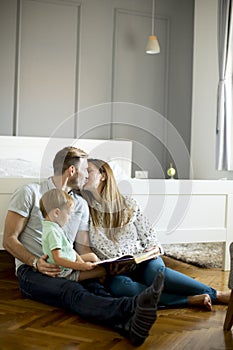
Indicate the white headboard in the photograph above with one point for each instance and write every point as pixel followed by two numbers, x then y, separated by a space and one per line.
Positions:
pixel 41 150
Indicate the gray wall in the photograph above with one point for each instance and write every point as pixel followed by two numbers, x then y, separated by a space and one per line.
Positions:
pixel 64 62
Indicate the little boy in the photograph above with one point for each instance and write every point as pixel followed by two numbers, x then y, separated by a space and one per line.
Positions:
pixel 56 207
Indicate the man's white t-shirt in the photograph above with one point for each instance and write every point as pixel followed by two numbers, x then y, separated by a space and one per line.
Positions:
pixel 25 201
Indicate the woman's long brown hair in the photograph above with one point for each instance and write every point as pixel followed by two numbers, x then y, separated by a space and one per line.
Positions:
pixel 113 209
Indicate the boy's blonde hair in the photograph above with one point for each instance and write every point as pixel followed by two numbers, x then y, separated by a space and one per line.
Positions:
pixel 53 199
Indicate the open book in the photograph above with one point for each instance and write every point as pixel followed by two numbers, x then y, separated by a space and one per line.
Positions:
pixel 133 259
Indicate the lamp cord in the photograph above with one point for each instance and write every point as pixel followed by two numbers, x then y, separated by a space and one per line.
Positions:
pixel 153 17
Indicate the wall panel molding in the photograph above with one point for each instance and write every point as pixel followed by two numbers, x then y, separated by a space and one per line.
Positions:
pixel 47 68
pixel 140 79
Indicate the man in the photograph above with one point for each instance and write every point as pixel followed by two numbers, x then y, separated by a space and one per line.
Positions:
pixel 132 317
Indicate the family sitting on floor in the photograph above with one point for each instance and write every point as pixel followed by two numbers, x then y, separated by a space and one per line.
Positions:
pixel 60 228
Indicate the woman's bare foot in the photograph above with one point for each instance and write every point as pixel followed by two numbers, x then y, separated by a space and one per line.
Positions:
pixel 202 300
pixel 223 297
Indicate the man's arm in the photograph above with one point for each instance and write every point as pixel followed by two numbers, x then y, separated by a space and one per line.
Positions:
pixel 82 243
pixel 14 225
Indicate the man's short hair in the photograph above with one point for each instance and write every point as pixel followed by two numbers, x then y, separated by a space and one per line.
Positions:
pixel 66 157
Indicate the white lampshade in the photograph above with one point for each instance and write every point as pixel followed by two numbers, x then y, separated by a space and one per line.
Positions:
pixel 152 46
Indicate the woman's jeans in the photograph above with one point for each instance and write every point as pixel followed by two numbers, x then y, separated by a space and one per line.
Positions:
pixel 72 296
pixel 177 286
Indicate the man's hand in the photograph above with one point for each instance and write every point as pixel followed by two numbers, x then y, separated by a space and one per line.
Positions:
pixel 118 268
pixel 46 268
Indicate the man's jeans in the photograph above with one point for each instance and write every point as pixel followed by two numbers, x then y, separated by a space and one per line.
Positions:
pixel 72 296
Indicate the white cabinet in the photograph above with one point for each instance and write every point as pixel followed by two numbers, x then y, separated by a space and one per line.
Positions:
pixel 187 211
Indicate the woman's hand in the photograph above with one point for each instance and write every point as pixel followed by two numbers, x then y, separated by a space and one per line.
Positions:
pixel 156 251
pixel 46 268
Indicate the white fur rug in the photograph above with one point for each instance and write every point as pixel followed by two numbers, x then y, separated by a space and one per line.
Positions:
pixel 207 255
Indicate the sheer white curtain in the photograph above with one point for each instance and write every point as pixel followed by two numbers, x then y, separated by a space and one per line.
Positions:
pixel 224 129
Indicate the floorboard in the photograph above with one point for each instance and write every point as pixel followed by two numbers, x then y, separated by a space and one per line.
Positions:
pixel 29 325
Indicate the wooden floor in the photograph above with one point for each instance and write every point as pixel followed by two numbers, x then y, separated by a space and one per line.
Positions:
pixel 29 325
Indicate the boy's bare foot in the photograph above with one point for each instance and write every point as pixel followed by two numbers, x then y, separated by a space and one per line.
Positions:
pixel 223 297
pixel 201 300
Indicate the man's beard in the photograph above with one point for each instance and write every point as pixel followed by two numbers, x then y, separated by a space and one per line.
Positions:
pixel 74 183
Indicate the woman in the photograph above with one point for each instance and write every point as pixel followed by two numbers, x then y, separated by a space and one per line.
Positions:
pixel 118 227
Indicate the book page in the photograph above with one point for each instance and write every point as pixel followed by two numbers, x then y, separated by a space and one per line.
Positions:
pixel 123 258
pixel 132 259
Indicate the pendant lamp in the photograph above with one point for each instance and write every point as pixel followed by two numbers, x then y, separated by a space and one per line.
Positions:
pixel 152 46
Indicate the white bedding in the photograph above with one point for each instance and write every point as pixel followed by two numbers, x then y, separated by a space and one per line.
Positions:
pixel 33 156
pixel 24 168
pixel 21 168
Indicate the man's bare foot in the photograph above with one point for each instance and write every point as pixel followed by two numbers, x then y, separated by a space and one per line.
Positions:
pixel 223 297
pixel 202 300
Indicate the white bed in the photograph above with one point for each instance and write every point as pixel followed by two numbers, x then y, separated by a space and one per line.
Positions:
pixel 183 211
pixel 29 159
